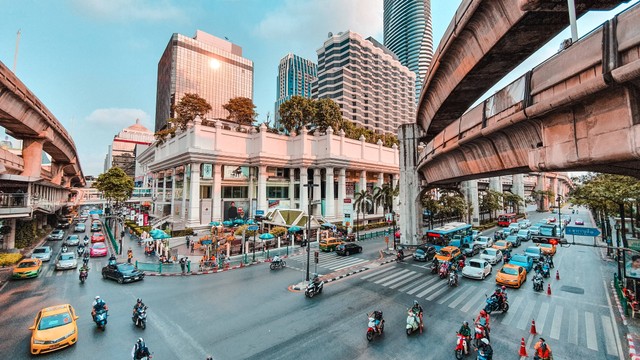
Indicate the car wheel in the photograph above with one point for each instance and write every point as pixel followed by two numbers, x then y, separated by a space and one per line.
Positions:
pixel 483 276
pixel 120 280
pixel 360 250
pixel 104 276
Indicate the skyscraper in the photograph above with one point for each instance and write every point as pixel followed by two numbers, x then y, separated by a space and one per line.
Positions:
pixel 408 33
pixel 295 76
pixel 367 81
pixel 205 65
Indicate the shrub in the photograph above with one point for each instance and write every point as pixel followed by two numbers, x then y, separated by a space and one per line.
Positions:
pixel 278 231
pixel 25 233
pixel 9 259
pixel 240 228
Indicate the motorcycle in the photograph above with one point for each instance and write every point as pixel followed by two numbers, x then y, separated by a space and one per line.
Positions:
pixel 83 276
pixel 443 271
pixel 545 271
pixel 150 252
pixel 413 322
pixel 481 355
pixel 538 283
pixel 101 319
pixel 65 248
pixel 371 328
pixel 479 334
pixel 278 264
pixel 461 346
pixel 493 305
pixel 313 289
pixel 86 241
pixel 140 318
pixel 453 279
pixel 80 251
pixel 434 268
pixel 549 261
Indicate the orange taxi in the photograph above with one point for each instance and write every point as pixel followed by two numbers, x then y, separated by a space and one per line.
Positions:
pixel 448 253
pixel 27 268
pixel 547 249
pixel 511 275
pixel 54 328
pixel 502 245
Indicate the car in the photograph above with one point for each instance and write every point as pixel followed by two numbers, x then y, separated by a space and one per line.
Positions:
pixel 513 228
pixel 547 249
pixel 62 224
pixel 579 222
pixel 524 235
pixel 97 237
pixel 511 275
pixel 514 240
pixel 533 252
pixel 80 227
pixel 476 269
pixel 475 234
pixel 534 230
pixel 27 268
pixel 67 260
pixel 98 249
pixel 72 240
pixel 526 222
pixel 348 249
pixel 424 253
pixel 95 227
pixel 54 328
pixel 484 241
pixel 329 244
pixel 492 255
pixel 448 253
pixel 501 245
pixel 56 235
pixel 522 260
pixel 522 224
pixel 42 252
pixel 470 249
pixel 122 273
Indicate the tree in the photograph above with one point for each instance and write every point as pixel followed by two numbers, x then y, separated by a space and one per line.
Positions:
pixel 491 202
pixel 543 195
pixel 327 113
pixel 453 203
pixel 363 203
pixel 512 200
pixel 241 110
pixel 431 204
pixel 188 108
pixel 115 185
pixel 296 113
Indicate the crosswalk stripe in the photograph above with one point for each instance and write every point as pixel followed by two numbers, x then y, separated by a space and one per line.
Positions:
pixel 391 276
pixel 452 294
pixel 460 298
pixel 526 316
pixel 437 293
pixel 58 273
pixel 434 287
pixel 426 283
pixel 49 272
pixel 513 310
pixel 376 273
pixel 557 321
pixel 542 315
pixel 408 273
pixel 473 301
pixel 590 330
pixel 411 278
pixel 609 340
pixel 383 275
pixel 573 326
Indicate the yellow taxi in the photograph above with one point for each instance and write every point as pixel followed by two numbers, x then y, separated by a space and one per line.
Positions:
pixel 448 253
pixel 547 249
pixel 329 244
pixel 27 268
pixel 53 329
pixel 502 245
pixel 511 275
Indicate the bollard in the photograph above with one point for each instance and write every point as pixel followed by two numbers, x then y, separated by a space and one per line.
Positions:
pixel 188 266
pixel 557 275
pixel 160 268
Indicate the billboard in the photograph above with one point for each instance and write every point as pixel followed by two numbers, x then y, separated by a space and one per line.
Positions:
pixel 632 264
pixel 230 172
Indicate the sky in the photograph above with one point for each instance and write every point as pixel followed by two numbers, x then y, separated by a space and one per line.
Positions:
pixel 93 63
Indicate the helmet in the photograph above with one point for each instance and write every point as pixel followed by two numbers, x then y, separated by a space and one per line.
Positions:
pixel 415 302
pixel 483 313
pixel 140 340
pixel 139 301
pixel 465 323
pixel 498 290
pixel 97 297
pixel 504 288
pixel 485 341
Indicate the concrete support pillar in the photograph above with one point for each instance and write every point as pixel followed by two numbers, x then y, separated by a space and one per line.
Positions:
pixel 164 186
pixel 342 191
pixel 292 188
pixel 470 191
pixel 194 196
pixel 216 207
pixel 173 192
pixel 555 188
pixel 304 197
pixel 330 202
pixel 56 172
pixel 251 193
pixel 262 188
pixel 541 186
pixel 363 181
pixel 517 188
pixel 184 191
pixel 32 156
pixel 410 185
pixel 10 238
pixel 317 192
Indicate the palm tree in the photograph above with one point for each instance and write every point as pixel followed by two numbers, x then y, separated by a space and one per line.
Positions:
pixel 512 200
pixel 363 203
pixel 384 196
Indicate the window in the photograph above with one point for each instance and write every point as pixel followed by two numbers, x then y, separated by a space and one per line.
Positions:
pixel 235 192
pixel 277 192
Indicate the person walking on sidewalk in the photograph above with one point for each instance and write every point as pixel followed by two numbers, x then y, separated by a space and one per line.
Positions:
pixel 192 245
pixel 188 240
pixel 129 255
pixel 183 264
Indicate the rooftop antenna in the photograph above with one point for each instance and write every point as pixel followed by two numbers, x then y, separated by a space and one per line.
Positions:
pixel 15 55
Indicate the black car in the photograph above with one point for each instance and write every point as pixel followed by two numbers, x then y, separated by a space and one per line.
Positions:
pixel 122 273
pixel 470 249
pixel 424 253
pixel 62 224
pixel 348 249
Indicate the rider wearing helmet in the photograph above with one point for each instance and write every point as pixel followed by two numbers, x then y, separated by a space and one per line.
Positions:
pixel 499 297
pixel 466 332
pixel 417 309
pixel 139 305
pixel 485 349
pixel 140 350
pixel 543 351
pixel 483 319
pixel 98 305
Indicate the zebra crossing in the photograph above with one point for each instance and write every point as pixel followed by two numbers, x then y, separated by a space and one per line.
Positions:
pixel 560 320
pixel 50 271
pixel 326 260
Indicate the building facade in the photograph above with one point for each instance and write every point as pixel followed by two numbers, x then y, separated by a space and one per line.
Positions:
pixel 372 88
pixel 295 77
pixel 205 65
pixel 408 33
pixel 121 152
pixel 198 174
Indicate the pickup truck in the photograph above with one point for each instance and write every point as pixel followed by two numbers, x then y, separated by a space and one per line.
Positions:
pixel 548 232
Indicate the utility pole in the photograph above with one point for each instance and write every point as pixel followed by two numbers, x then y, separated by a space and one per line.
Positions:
pixel 15 55
pixel 571 5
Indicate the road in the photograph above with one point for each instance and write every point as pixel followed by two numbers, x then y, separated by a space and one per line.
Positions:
pixel 250 314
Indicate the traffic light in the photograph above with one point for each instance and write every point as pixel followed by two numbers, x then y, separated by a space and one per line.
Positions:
pixel 316 256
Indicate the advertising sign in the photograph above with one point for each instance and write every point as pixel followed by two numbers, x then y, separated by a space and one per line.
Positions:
pixel 207 171
pixel 347 210
pixel 235 172
pixel 632 264
pixel 274 203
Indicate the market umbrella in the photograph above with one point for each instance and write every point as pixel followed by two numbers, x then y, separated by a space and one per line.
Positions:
pixel 238 221
pixel 294 229
pixel 251 222
pixel 266 236
pixel 327 225
pixel 154 231
pixel 160 235
pixel 214 223
pixel 227 223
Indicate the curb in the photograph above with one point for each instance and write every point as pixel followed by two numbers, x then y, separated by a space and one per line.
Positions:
pixel 632 349
pixel 298 287
pixel 615 295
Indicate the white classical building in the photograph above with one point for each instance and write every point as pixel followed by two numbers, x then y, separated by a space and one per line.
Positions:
pixel 200 172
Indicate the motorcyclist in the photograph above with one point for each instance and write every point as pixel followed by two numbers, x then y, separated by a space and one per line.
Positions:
pixel 139 306
pixel 400 255
pixel 140 350
pixel 485 349
pixel 377 320
pixel 417 309
pixel 316 280
pixel 112 260
pixel 543 351
pixel 466 332
pixel 276 259
pixel 483 319
pixel 435 263
pixel 85 258
pixel 84 268
pixel 444 267
pixel 64 248
pixel 98 305
pixel 499 297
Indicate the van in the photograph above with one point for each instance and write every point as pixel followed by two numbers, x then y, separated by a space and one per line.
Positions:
pixel 329 244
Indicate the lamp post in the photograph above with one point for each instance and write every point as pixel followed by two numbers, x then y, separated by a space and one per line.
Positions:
pixel 559 218
pixel 617 227
pixel 309 187
pixel 153 203
pixel 254 245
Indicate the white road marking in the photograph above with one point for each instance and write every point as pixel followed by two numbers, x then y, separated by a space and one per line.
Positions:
pixel 542 316
pixel 513 310
pixel 573 326
pixel 609 340
pixel 557 322
pixel 477 297
pixel 408 273
pixel 460 298
pixel 437 293
pixel 452 294
pixel 390 276
pixel 411 278
pixel 615 326
pixel 376 273
pixel 526 316
pixel 590 330
pixel 426 283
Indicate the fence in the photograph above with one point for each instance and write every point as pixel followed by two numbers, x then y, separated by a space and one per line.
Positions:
pixel 621 295
pixel 111 237
pixel 162 267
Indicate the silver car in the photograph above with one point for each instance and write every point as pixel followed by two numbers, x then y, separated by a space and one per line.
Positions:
pixel 56 235
pixel 72 240
pixel 43 253
pixel 66 261
pixel 493 256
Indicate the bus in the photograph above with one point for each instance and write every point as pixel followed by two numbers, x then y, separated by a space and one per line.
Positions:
pixel 450 234
pixel 505 219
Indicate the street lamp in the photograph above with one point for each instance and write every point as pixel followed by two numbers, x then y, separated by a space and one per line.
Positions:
pixel 617 227
pixel 559 218
pixel 309 187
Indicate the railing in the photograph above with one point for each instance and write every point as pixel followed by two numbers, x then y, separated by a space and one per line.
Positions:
pixel 111 238
pixel 162 268
pixel 13 200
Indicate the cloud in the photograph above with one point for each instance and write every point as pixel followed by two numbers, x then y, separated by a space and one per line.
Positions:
pixel 298 21
pixel 127 10
pixel 116 118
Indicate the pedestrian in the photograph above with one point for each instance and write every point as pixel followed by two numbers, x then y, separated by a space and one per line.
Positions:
pixel 121 234
pixel 188 239
pixel 129 255
pixel 183 264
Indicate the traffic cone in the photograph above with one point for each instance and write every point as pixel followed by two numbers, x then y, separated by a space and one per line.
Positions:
pixel 523 349
pixel 548 289
pixel 557 275
pixel 533 330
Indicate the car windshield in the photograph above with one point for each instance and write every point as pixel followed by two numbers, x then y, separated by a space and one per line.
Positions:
pixel 474 264
pixel 73 237
pixel 490 251
pixel 126 267
pixel 500 243
pixel 523 232
pixel 419 251
pixel 99 246
pixel 509 271
pixel 66 256
pixel 49 322
pixel 512 238
pixel 519 258
pixel 445 253
pixel 546 246
pixel 40 251
pixel 27 264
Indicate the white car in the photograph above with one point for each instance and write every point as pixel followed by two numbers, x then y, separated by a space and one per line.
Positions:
pixel 476 269
pixel 42 252
pixel 484 241
pixel 513 228
pixel 534 230
pixel 493 256
pixel 67 260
